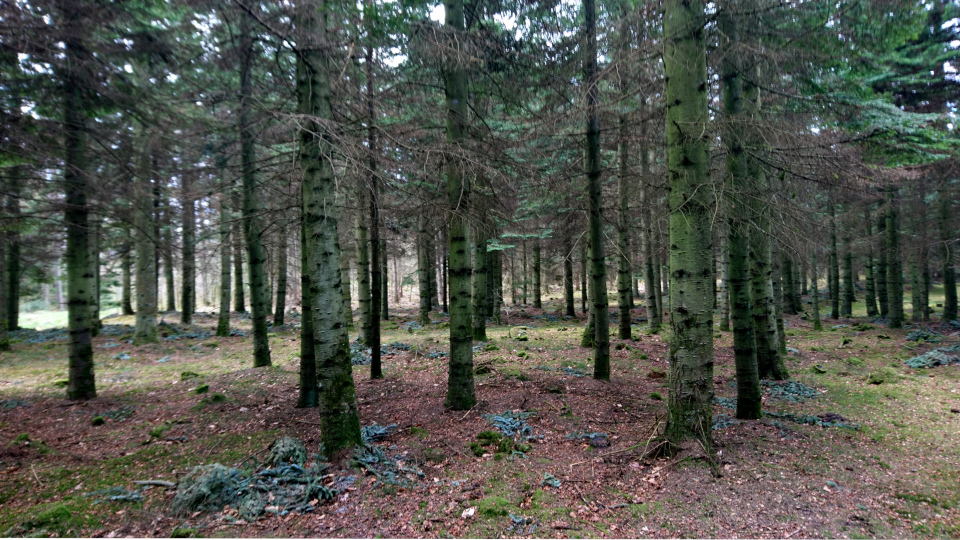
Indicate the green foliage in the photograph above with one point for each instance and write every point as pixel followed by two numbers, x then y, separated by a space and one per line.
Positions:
pixel 97 421
pixel 883 375
pixel 938 357
pixel 495 507
pixel 287 451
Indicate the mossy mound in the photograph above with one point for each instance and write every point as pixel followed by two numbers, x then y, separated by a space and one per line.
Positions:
pixel 884 375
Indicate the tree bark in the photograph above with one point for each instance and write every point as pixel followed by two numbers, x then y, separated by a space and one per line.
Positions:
pixel 881 278
pixel 423 274
pixel 94 261
pixel 337 403
pixel 146 325
pixel 361 229
pixel 239 302
pixel 568 277
pixel 480 286
pixel 537 272
pixel 690 382
pixel 12 301
pixel 252 227
pixel 460 387
pixel 346 299
pixel 584 299
pixel 735 262
pixel 385 290
pixel 871 285
pixel 223 320
pixel 894 262
pixel 188 254
pixel 834 266
pixel 126 272
pixel 849 296
pixel 308 395
pixel 281 305
pixel 947 241
pixel 817 325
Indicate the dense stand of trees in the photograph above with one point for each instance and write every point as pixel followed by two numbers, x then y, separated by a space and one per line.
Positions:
pixel 723 155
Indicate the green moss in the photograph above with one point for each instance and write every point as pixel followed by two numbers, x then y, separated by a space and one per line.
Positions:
pixel 187 375
pixel 21 438
pixel 202 389
pixel 643 356
pixel 496 507
pixel 477 449
pixel 158 431
pixel 212 344
pixel 62 383
pixel 217 398
pixel 505 446
pixel 656 396
pixel 418 431
pixel 97 421
pixel 488 438
pixel 183 532
pixel 883 375
pixel 854 361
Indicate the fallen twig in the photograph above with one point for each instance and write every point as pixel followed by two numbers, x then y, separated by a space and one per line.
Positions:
pixel 34 471
pixel 470 411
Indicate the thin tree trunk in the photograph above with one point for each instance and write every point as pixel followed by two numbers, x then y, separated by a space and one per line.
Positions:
pixel 817 325
pixel 925 284
pixel 361 228
pixel 598 269
pixel 252 228
pixel 166 253
pixel 223 320
pixel 894 262
pixel 339 416
pixel 126 271
pixel 308 395
pixel 12 301
pixel 584 299
pixel 480 271
pixel 849 296
pixel 690 382
pixel 384 282
pixel 281 306
pixel 537 300
pixel 624 279
pixel 93 240
pixel 779 369
pixel 423 274
pixel 568 277
pixel 725 283
pixel 589 330
pixel 346 299
pixel 834 266
pixel 947 256
pixel 871 285
pixel 239 303
pixel 789 303
pixel 735 262
pixel 147 294
pixel 460 387
pixel 526 275
pixel 881 278
pixel 188 253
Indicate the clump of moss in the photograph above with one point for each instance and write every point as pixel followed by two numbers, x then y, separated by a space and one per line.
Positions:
pixel 883 375
pixel 495 507
pixel 418 431
pixel 656 396
pixel 159 431
pixel 187 375
pixel 97 421
pixel 183 532
pixel 202 389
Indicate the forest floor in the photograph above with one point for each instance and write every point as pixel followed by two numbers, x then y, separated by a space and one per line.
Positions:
pixel 894 474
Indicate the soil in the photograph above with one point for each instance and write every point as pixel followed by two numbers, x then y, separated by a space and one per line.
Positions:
pixel 895 476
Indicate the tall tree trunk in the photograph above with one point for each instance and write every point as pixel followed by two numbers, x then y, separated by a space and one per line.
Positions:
pixel 871 285
pixel 147 293
pixel 460 388
pixel 916 301
pixel 690 383
pixel 881 279
pixel 281 306
pixel 598 269
pixel 166 254
pixel 849 296
pixel 239 302
pixel 252 227
pixel 480 277
pixel 584 298
pixel 590 329
pixel 568 277
pixel 651 282
pixel 537 273
pixel 93 241
pixel 308 395
pixel 526 275
pixel 377 255
pixel 4 324
pixel 126 271
pixel 725 283
pixel 339 416
pixel 925 284
pixel 894 262
pixel 188 253
pixel 223 320
pixel 363 262
pixel 385 290
pixel 779 369
pixel 12 301
pixel 624 278
pixel 834 266
pixel 789 304
pixel 735 252
pixel 423 274
pixel 817 325
pixel 346 299
pixel 947 241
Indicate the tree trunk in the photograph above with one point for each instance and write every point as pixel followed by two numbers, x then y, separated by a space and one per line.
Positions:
pixel 4 276
pixel 147 294
pixel 881 278
pixel 252 228
pixel 871 285
pixel 384 282
pixel 93 240
pixel 308 395
pixel 947 256
pixel 166 253
pixel 589 330
pixel 223 320
pixel 894 262
pixel 735 262
pixel 126 271
pixel 526 275
pixel 624 277
pixel 834 267
pixel 916 302
pixel 537 272
pixel 690 383
pixel 460 388
pixel 924 284
pixel 12 301
pixel 423 274
pixel 339 416
pixel 725 283
pixel 363 262
pixel 651 282
pixel 849 296
pixel 281 307
pixel 480 271
pixel 239 303
pixel 346 299
pixel 817 325
pixel 568 277
pixel 188 253
pixel 779 369
pixel 584 299
pixel 789 303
